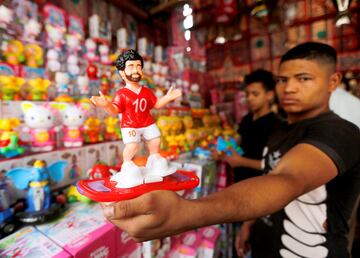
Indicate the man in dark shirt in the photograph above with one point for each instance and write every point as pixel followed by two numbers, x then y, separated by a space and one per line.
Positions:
pixel 256 126
pixel 312 180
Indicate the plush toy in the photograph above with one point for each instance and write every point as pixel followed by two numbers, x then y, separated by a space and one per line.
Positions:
pixel 55 37
pixel 38 89
pixel 91 51
pixel 32 29
pixel 14 53
pixel 52 61
pixel 33 55
pixel 104 54
pixel 10 87
pixel 73 65
pixel 40 123
pixel 73 117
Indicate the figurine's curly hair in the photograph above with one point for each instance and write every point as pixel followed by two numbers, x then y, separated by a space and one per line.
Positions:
pixel 128 55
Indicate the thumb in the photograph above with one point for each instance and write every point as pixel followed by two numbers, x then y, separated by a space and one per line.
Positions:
pixel 170 90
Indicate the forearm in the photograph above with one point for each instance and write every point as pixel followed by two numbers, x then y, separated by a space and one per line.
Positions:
pixel 161 102
pixel 111 109
pixel 246 200
pixel 250 163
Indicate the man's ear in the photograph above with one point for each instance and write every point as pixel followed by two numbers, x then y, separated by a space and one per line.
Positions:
pixel 335 80
pixel 271 96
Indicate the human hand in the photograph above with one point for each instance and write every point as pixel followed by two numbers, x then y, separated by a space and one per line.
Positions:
pixel 153 215
pixel 234 160
pixel 100 101
pixel 173 94
pixel 242 240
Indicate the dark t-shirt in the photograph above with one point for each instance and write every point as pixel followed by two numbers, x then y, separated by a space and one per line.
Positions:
pixel 254 135
pixel 314 224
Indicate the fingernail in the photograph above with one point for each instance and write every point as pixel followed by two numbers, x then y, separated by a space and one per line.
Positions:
pixel 108 211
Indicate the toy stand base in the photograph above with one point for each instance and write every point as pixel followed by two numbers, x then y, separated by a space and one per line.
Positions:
pixel 104 190
pixel 40 216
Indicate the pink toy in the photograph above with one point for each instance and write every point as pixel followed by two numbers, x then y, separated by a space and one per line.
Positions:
pixel 72 44
pixel 32 29
pixel 52 61
pixel 40 123
pixel 73 117
pixel 83 85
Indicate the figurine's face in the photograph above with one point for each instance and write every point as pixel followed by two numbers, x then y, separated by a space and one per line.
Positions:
pixel 39 117
pixel 73 116
pixel 132 72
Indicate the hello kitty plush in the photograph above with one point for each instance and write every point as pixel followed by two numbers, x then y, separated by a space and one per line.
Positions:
pixel 40 123
pixel 52 61
pixel 104 55
pixel 73 117
pixel 73 65
pixel 91 51
pixel 55 37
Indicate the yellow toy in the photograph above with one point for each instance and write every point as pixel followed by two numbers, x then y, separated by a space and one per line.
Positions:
pixel 7 126
pixel 14 53
pixel 92 130
pixel 33 55
pixel 38 89
pixel 9 138
pixel 112 129
pixel 10 87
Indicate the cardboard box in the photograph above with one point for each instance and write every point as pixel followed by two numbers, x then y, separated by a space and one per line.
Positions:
pixel 125 246
pixel 190 245
pixel 83 232
pixel 210 243
pixel 30 243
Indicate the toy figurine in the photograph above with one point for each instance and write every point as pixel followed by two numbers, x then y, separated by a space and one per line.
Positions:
pixel 83 86
pixel 224 145
pixel 32 29
pixel 10 87
pixel 10 146
pixel 38 89
pixel 73 117
pixel 55 37
pixel 112 130
pixel 52 61
pixel 33 55
pixel 40 122
pixel 92 71
pixel 14 53
pixel 37 181
pixel 135 103
pixel 104 55
pixel 91 51
pixel 62 83
pixel 92 130
pixel 6 16
pixel 73 65
pixel 73 44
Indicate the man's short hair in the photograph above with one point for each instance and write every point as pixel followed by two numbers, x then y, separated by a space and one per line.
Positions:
pixel 313 51
pixel 128 55
pixel 266 78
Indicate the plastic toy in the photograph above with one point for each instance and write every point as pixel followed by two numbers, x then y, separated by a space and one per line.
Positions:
pixel 62 83
pixel 73 44
pixel 104 54
pixel 10 145
pixel 14 53
pixel 135 103
pixel 224 145
pixel 10 87
pixel 92 71
pixel 52 61
pixel 83 86
pixel 99 171
pixel 40 122
pixel 112 129
pixel 105 85
pixel 32 29
pixel 73 65
pixel 73 195
pixel 55 37
pixel 5 17
pixel 33 55
pixel 36 181
pixel 73 117
pixel 38 89
pixel 92 130
pixel 91 51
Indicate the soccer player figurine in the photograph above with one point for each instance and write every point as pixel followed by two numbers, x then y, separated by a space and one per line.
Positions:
pixel 134 102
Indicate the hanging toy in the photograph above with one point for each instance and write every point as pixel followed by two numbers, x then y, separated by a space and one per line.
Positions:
pixel 343 17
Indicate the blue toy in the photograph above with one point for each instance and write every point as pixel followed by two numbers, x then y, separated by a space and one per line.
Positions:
pixel 226 145
pixel 202 153
pixel 36 180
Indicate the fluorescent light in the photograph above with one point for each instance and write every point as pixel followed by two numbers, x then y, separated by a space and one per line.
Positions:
pixel 220 40
pixel 188 49
pixel 187 10
pixel 188 22
pixel 187 35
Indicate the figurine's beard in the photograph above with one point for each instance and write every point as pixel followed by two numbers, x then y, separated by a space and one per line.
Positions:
pixel 132 78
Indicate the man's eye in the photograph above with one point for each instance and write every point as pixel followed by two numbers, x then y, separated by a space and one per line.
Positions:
pixel 304 79
pixel 280 80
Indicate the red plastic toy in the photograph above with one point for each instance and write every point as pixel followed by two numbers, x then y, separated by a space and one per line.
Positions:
pixel 104 190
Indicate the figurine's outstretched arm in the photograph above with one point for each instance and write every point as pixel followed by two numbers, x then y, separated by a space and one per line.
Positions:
pixel 170 96
pixel 101 101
